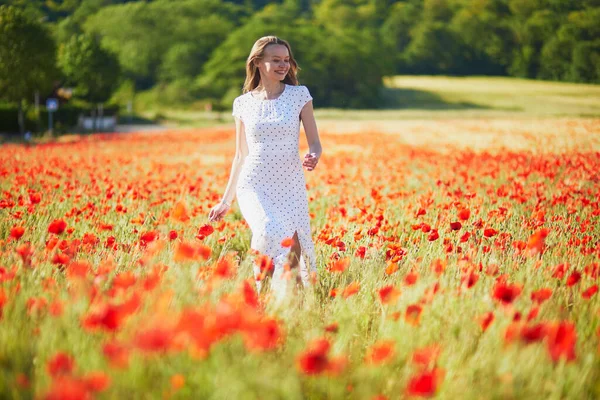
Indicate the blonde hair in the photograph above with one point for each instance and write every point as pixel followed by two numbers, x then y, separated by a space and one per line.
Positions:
pixel 257 53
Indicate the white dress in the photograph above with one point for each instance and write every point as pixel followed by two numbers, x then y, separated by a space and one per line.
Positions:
pixel 271 188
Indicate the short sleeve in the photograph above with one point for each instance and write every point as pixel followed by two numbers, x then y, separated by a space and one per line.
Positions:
pixel 237 108
pixel 305 95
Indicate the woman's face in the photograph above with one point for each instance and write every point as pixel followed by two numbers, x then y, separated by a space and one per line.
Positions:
pixel 276 62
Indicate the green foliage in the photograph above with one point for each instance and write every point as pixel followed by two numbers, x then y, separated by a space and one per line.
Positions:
pixel 150 39
pixel 93 71
pixel 336 57
pixel 397 27
pixel 179 52
pixel 27 56
pixel 586 61
pixel 226 67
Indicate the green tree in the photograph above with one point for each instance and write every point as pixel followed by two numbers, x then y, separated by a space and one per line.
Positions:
pixel 91 70
pixel 27 59
pixel 343 68
pixel 396 30
pixel 586 62
pixel 555 58
pixel 434 47
pixel 487 39
pixel 531 35
pixel 341 15
pixel 572 52
pixel 142 35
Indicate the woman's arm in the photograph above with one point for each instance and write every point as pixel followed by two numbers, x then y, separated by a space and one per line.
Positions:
pixel 241 151
pixel 312 134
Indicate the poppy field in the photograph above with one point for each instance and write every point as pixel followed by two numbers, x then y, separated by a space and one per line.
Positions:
pixel 456 259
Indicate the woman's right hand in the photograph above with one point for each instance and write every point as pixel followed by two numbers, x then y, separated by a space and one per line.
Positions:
pixel 217 212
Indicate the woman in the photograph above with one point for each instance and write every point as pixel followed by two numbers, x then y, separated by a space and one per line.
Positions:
pixel 266 174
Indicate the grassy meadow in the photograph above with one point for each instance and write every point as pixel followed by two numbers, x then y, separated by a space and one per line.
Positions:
pixel 458 257
pixel 434 97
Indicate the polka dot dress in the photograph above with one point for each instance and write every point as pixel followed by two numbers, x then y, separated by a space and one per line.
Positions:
pixel 271 188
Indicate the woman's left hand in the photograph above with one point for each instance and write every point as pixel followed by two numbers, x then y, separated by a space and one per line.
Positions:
pixel 310 161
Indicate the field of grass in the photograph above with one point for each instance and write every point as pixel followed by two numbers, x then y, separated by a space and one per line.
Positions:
pixel 457 258
pixel 442 97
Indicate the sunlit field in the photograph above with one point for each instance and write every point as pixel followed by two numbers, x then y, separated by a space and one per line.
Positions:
pixel 407 97
pixel 456 258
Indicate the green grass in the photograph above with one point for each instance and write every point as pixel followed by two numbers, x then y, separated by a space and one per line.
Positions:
pixel 440 97
pixel 510 95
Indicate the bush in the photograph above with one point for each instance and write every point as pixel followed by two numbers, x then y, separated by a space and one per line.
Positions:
pixel 63 120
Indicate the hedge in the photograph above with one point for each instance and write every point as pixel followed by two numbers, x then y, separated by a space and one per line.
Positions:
pixel 64 118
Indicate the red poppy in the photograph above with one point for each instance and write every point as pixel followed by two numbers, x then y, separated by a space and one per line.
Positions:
pixel 433 236
pixel 541 295
pixel 411 278
pixel 489 232
pixel 61 363
pixel 339 265
pixel 413 314
pixel 57 226
pixel 177 381
pixel 78 269
pixel 351 289
pixel 148 237
pixel 589 292
pixel 533 313
pixel 16 232
pixel 124 280
pixel 573 278
pixel 391 268
pixel 438 266
pixel 287 242
pixel 426 356
pixel 470 278
pixel 314 359
pixel 486 320
pixel 561 341
pixel 206 230
pixel 96 381
pixel 388 294
pixel 425 383
pixel 533 333
pixel 190 251
pixel 105 316
pixel 464 214
pixel 381 352
pixel 263 335
pixel 361 252
pixel 506 293
pixel 154 339
pixel 68 387
pixel 265 265
pixel 180 212
pixel 117 354
pixel 536 242
pixel 560 270
pixel 225 268
pixel 250 295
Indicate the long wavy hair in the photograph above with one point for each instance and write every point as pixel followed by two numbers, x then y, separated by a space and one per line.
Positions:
pixel 257 53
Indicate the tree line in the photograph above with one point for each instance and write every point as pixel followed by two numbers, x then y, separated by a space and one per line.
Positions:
pixel 196 49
